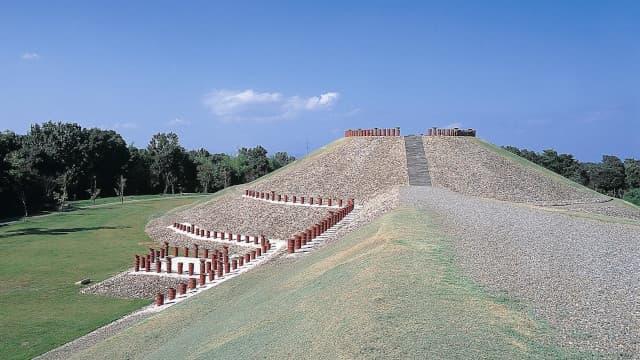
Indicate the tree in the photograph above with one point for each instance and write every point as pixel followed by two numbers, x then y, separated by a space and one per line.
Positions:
pixel 119 189
pixel 279 160
pixel 22 176
pixel 632 173
pixel 206 172
pixel 608 176
pixel 166 157
pixel 254 162
pixel 94 192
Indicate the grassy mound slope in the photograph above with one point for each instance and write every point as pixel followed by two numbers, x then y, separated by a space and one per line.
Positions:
pixel 40 307
pixel 389 290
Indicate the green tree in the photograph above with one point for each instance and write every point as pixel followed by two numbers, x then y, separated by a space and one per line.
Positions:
pixel 166 160
pixel 633 196
pixel 632 173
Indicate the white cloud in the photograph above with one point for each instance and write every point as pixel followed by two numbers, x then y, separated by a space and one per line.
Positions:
pixel 250 105
pixel 125 125
pixel 178 121
pixel 30 56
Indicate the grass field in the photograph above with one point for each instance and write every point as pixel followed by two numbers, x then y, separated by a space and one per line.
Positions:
pixel 40 307
pixel 390 290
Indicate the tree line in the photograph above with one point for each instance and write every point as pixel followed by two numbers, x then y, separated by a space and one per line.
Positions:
pixel 611 176
pixel 56 162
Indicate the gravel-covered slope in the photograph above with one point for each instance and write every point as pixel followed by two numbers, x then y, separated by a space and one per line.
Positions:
pixel 582 275
pixel 355 167
pixel 463 165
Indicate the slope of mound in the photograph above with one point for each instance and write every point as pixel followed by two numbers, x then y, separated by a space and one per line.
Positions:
pixel 580 274
pixel 355 167
pixel 472 167
pixel 388 290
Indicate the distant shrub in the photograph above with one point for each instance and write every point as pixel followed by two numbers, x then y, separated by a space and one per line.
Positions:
pixel 633 196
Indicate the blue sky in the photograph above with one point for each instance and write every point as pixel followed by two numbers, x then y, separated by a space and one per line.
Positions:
pixel 545 74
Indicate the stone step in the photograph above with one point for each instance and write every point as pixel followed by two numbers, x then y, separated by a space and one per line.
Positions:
pixel 416 161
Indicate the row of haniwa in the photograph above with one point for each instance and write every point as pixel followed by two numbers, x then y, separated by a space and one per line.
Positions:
pixel 309 234
pixel 213 234
pixel 451 132
pixel 310 200
pixel 372 132
pixel 213 263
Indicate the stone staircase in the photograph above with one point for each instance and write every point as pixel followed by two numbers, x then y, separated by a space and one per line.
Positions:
pixel 416 161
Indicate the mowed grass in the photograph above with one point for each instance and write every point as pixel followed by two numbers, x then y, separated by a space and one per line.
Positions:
pixel 391 290
pixel 40 307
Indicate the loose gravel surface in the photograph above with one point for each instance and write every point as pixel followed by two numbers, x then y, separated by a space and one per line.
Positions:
pixel 463 165
pixel 140 285
pixel 355 167
pixel 235 214
pixel 582 275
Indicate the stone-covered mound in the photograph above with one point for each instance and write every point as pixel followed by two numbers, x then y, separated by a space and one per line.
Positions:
pixel 355 167
pixel 472 167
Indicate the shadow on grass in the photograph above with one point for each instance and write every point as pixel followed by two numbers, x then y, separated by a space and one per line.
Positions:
pixel 60 231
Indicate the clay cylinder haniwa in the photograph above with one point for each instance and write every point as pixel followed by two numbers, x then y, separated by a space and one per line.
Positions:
pixel 290 246
pixel 258 252
pixel 211 275
pixel 182 289
pixel 234 264
pixel 207 266
pixel 320 201
pixel 175 251
pixel 310 200
pixel 238 237
pixel 208 234
pixel 180 268
pixel 219 270
pixel 136 263
pixel 190 269
pixel 172 293
pixel 202 279
pixel 202 266
pixel 247 258
pixel 206 253
pixel 162 253
pixel 253 255
pixel 286 198
pixel 185 251
pixel 168 265
pixel 246 239
pixel 241 261
pixel 159 299
pixel 279 197
pixel 192 283
pixel 293 199
pixel 298 242
pixel 215 234
pixel 339 202
pixel 301 199
pixel 227 267
pixel 195 250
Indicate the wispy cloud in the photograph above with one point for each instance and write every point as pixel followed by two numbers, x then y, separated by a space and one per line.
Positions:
pixel 30 56
pixel 178 121
pixel 250 105
pixel 125 125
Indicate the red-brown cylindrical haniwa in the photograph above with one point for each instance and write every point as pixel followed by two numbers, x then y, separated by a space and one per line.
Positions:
pixel 230 236
pixel 293 199
pixel 255 239
pixel 279 197
pixel 247 258
pixel 261 195
pixel 159 299
pixel 207 266
pixel 213 260
pixel 161 253
pixel 241 261
pixel 195 250
pixel 175 251
pixel 320 201
pixel 136 264
pixel 286 198
pixel 208 234
pixel 303 239
pixel 310 200
pixel 192 283
pixel 147 263
pixel 253 254
pixel 246 239
pixel 202 279
pixel 238 237
pixel 211 275
pixel 172 293
pixel 339 202
pixel 227 267
pixel 219 269
pixel 301 199
pixel 263 239
pixel 180 268
pixel 190 269
pixel 168 265
pixel 266 196
pixel 202 266
pixel 215 234
pixel 258 252
pixel 328 202
pixel 206 253
pixel 234 264
pixel 290 246
pixel 182 289
pixel 298 241
pixel 185 251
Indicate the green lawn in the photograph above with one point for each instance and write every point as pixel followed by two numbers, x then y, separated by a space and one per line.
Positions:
pixel 390 290
pixel 130 198
pixel 40 307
